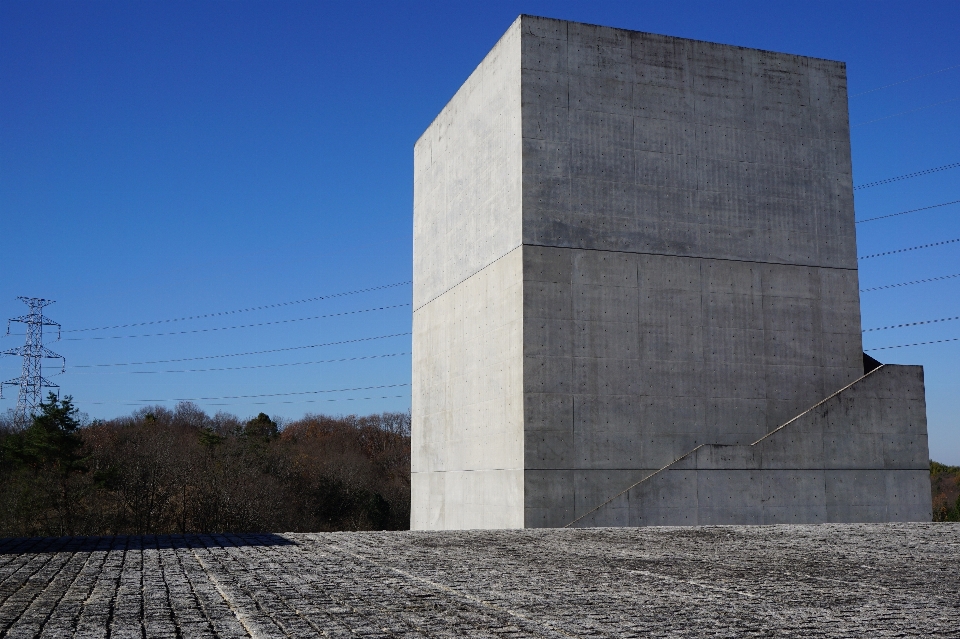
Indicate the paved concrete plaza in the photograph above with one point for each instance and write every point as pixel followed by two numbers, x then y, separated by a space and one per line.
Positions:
pixel 833 580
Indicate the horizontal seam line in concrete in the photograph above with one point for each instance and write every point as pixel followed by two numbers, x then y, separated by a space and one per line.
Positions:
pixel 693 257
pixel 603 470
pixel 573 248
pixel 468 470
pixel 475 273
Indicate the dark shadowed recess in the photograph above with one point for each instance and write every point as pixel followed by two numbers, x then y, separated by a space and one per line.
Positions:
pixel 35 545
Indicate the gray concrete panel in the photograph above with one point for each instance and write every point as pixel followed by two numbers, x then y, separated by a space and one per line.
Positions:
pixel 591 487
pixel 800 445
pixel 722 492
pixel 793 489
pixel 749 516
pixel 658 448
pixel 718 457
pixel 667 489
pixel 679 415
pixel 551 502
pixel 794 514
pixel 822 466
pixel 907 492
pixel 664 517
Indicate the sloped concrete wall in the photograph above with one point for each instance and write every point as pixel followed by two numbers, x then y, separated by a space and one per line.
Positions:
pixel 859 456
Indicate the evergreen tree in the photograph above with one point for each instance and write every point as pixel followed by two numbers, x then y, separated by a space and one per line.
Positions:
pixel 51 449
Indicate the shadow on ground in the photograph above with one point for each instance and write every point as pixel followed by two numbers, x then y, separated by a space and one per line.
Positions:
pixel 20 545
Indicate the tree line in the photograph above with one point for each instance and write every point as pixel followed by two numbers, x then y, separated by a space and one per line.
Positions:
pixel 945 485
pixel 161 471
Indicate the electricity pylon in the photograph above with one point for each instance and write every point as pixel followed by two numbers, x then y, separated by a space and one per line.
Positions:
pixel 31 381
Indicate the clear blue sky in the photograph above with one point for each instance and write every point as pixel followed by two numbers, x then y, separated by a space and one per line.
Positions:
pixel 160 160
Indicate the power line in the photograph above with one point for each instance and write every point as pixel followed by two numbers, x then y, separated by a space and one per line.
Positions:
pixel 227 328
pixel 923 208
pixel 895 115
pixel 912 248
pixel 929 279
pixel 317 392
pixel 299 401
pixel 907 176
pixel 883 328
pixel 887 86
pixel 315 401
pixel 244 310
pixel 273 350
pixel 237 368
pixel 936 341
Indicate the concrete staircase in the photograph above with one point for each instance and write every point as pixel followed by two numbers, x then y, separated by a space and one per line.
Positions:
pixel 860 455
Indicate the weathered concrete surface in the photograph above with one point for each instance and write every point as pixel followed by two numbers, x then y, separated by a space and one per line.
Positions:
pixel 468 444
pixel 632 360
pixel 467 398
pixel 690 272
pixel 858 456
pixel 891 580
pixel 626 245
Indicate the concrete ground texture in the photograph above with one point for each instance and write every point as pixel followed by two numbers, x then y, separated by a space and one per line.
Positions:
pixel 828 580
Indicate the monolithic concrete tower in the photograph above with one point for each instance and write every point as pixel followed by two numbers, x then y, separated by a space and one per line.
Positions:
pixel 635 294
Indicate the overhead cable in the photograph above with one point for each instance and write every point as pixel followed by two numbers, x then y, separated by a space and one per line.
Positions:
pixel 912 248
pixel 896 115
pixel 929 279
pixel 887 86
pixel 333 390
pixel 936 341
pixel 244 310
pixel 298 401
pixel 907 176
pixel 272 350
pixel 315 401
pixel 883 328
pixel 923 208
pixel 227 328
pixel 237 368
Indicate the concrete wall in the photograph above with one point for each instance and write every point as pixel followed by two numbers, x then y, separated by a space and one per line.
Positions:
pixel 467 402
pixel 467 176
pixel 859 456
pixel 646 143
pixel 625 246
pixel 631 360
pixel 690 257
pixel 467 466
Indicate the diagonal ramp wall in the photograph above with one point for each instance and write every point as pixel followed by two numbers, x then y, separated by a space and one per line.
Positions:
pixel 860 455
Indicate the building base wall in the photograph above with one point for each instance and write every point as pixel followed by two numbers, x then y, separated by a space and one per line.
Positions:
pixel 467 403
pixel 858 456
pixel 466 500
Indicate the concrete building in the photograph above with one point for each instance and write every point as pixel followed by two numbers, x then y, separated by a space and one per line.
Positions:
pixel 634 252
